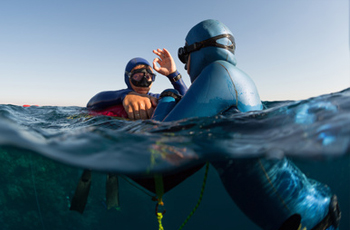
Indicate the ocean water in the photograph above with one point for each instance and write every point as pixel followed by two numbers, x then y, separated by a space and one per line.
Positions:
pixel 44 150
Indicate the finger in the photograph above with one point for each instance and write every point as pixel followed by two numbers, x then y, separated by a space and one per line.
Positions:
pixel 160 52
pixel 157 60
pixel 128 108
pixel 149 109
pixel 155 66
pixel 135 110
pixel 130 112
pixel 157 53
pixel 167 53
pixel 137 115
pixel 143 113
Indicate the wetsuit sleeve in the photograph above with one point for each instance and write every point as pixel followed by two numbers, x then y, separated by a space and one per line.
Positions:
pixel 106 99
pixel 156 95
pixel 176 80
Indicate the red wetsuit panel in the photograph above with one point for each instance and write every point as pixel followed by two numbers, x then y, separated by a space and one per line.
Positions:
pixel 113 111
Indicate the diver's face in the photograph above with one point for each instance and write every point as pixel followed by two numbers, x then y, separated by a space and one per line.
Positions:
pixel 143 89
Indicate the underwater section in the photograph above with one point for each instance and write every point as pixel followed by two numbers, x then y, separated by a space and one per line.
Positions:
pixel 36 193
pixel 45 150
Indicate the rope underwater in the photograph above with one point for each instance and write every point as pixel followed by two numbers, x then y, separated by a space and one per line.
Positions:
pixel 200 196
pixel 160 191
pixel 158 179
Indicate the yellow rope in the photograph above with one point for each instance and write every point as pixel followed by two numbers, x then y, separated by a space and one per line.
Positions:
pixel 158 179
pixel 159 217
pixel 200 197
pixel 160 191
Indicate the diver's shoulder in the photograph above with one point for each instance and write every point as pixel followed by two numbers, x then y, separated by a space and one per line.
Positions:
pixel 221 67
pixel 221 64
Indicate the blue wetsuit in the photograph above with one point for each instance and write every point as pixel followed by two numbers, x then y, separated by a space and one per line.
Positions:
pixel 268 191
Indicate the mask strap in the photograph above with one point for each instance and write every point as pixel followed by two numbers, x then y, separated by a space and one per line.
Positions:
pixel 211 42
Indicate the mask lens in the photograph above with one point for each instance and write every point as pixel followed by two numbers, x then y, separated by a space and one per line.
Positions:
pixel 149 76
pixel 137 75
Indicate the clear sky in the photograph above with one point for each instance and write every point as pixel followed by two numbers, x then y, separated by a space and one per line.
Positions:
pixel 64 52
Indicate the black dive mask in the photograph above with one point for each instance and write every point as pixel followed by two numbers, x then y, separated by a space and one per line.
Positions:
pixel 184 52
pixel 142 77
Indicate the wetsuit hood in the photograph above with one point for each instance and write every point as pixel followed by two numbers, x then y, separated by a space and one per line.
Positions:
pixel 201 58
pixel 132 64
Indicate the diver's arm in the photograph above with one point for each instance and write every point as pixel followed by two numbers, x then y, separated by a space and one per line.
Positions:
pixel 167 67
pixel 106 99
pixel 156 95
pixel 178 83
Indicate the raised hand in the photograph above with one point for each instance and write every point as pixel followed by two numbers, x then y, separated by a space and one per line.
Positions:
pixel 165 61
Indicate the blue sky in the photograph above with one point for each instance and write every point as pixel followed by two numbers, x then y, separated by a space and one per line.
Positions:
pixel 64 52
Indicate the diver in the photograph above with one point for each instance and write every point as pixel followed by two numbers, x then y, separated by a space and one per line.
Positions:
pixel 136 100
pixel 273 193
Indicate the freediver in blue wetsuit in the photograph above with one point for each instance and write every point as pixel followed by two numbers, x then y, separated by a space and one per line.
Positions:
pixel 273 193
pixel 137 101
